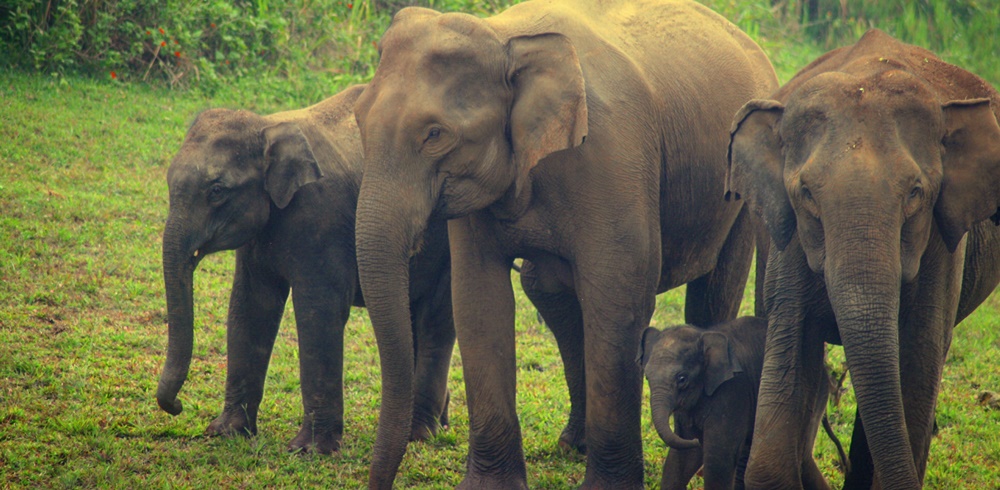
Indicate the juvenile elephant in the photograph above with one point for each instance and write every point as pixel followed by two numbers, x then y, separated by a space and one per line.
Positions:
pixel 483 122
pixel 875 169
pixel 282 190
pixel 707 379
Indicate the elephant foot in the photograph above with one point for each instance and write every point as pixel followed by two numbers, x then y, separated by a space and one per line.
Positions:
pixel 310 439
pixel 484 482
pixel 231 423
pixel 424 429
pixel 573 439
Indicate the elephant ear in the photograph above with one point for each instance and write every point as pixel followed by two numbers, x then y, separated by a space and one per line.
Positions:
pixel 756 167
pixel 291 163
pixel 720 362
pixel 549 110
pixel 650 337
pixel 970 186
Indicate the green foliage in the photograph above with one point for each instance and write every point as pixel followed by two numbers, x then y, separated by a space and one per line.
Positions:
pixel 962 32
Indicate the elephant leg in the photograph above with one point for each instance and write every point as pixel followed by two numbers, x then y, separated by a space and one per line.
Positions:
pixel 548 284
pixel 812 477
pixel 321 313
pixel 716 296
pixel 792 376
pixel 862 473
pixel 617 305
pixel 483 300
pixel 680 466
pixel 925 329
pixel 434 341
pixel 256 304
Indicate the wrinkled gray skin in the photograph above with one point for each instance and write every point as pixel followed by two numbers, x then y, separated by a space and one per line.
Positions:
pixel 585 137
pixel 707 379
pixel 876 170
pixel 282 190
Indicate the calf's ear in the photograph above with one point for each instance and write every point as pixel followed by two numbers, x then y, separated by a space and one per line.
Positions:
pixel 649 338
pixel 720 362
pixel 291 163
pixel 970 185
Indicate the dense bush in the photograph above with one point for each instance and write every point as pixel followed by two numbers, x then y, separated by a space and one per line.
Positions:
pixel 310 45
pixel 183 43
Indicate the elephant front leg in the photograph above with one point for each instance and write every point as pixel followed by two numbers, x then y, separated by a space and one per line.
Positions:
pixel 680 466
pixel 483 303
pixel 321 313
pixel 256 304
pixel 434 342
pixel 792 377
pixel 548 284
pixel 925 330
pixel 617 306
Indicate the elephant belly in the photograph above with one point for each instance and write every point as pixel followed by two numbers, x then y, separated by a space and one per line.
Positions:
pixel 690 250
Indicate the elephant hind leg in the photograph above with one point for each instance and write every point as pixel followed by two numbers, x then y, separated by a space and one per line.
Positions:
pixel 434 342
pixel 716 296
pixel 546 284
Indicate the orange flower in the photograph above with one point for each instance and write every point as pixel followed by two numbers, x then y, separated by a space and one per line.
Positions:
pixel 148 33
pixel 161 31
pixel 113 75
pixel 350 5
pixel 177 54
pixel 213 25
pixel 163 43
pixel 176 41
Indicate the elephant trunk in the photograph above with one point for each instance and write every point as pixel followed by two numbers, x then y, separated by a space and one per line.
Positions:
pixel 179 262
pixel 389 222
pixel 863 276
pixel 662 405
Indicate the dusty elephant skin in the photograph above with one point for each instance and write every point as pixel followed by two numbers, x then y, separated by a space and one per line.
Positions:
pixel 282 191
pixel 876 169
pixel 707 378
pixel 587 137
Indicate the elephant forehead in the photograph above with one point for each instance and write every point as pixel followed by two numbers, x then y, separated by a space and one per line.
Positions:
pixel 866 93
pixel 434 42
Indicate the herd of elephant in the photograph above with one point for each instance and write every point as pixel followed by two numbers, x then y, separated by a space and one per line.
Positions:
pixel 621 148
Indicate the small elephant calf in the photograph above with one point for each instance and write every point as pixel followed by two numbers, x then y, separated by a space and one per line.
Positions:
pixel 707 379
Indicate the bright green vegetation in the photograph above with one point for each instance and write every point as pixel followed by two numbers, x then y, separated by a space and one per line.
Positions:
pixel 82 313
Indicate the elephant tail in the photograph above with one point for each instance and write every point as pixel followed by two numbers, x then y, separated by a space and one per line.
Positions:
pixel 845 464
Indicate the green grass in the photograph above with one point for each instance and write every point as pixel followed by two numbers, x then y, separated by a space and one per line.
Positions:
pixel 83 326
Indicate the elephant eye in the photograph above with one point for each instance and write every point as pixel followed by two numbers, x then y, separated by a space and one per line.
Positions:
pixel 916 192
pixel 681 379
pixel 806 193
pixel 215 192
pixel 433 133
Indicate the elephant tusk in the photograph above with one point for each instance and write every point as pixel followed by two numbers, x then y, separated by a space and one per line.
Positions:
pixel 195 253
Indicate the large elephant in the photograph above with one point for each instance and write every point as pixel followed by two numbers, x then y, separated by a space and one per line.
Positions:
pixel 282 190
pixel 875 169
pixel 483 121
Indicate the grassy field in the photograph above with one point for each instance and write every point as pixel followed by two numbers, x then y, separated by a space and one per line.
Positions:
pixel 83 326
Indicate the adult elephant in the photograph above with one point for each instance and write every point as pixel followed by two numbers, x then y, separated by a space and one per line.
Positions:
pixel 875 168
pixel 282 190
pixel 483 121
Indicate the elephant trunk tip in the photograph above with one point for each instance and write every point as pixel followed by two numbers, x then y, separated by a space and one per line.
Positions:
pixel 733 196
pixel 171 405
pixel 680 443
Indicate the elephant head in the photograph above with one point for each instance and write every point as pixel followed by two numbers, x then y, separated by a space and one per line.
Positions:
pixel 683 365
pixel 868 167
pixel 232 170
pixel 452 122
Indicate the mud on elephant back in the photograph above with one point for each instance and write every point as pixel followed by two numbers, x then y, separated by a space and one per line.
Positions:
pixel 545 133
pixel 282 190
pixel 876 169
